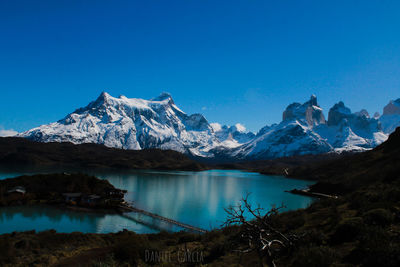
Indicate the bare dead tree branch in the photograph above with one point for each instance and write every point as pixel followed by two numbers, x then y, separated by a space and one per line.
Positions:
pixel 257 230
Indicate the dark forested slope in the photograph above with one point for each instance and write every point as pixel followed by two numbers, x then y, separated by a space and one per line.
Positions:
pixel 17 152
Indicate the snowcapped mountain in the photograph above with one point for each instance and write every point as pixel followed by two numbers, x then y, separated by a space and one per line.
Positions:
pixel 390 118
pixel 347 131
pixel 290 137
pixel 293 136
pixel 132 123
pixel 232 136
pixel 304 130
pixel 309 112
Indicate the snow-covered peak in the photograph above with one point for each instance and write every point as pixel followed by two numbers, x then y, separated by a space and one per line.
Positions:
pixel 131 123
pixel 197 122
pixel 104 97
pixel 392 108
pixel 390 118
pixel 163 97
pixel 337 113
pixel 341 108
pixel 216 126
pixel 163 100
pixel 304 131
pixel 351 131
pixel 236 134
pixel 290 137
pixel 239 128
pixel 309 112
pixel 360 122
pixel 362 113
pixel 7 133
pixel 313 100
pixel 134 123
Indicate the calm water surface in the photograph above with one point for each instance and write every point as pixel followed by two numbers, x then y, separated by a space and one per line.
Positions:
pixel 196 198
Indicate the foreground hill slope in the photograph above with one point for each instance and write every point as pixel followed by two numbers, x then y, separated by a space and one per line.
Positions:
pixel 362 226
pixel 21 152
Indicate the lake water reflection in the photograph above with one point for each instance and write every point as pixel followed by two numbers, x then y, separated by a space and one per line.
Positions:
pixel 196 198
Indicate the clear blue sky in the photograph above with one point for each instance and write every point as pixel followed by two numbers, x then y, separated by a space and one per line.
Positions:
pixel 233 61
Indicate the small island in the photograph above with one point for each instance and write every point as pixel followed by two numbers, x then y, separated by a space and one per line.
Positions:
pixel 62 189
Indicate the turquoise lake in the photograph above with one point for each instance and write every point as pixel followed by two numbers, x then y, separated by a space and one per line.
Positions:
pixel 195 198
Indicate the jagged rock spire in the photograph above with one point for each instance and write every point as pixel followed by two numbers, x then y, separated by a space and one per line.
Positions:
pixel 308 112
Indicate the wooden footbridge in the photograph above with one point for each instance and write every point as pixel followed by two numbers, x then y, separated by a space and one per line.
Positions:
pixel 159 217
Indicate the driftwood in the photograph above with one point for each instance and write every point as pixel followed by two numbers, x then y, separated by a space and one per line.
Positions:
pixel 257 232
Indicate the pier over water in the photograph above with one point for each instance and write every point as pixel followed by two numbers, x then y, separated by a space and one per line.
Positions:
pixel 165 219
